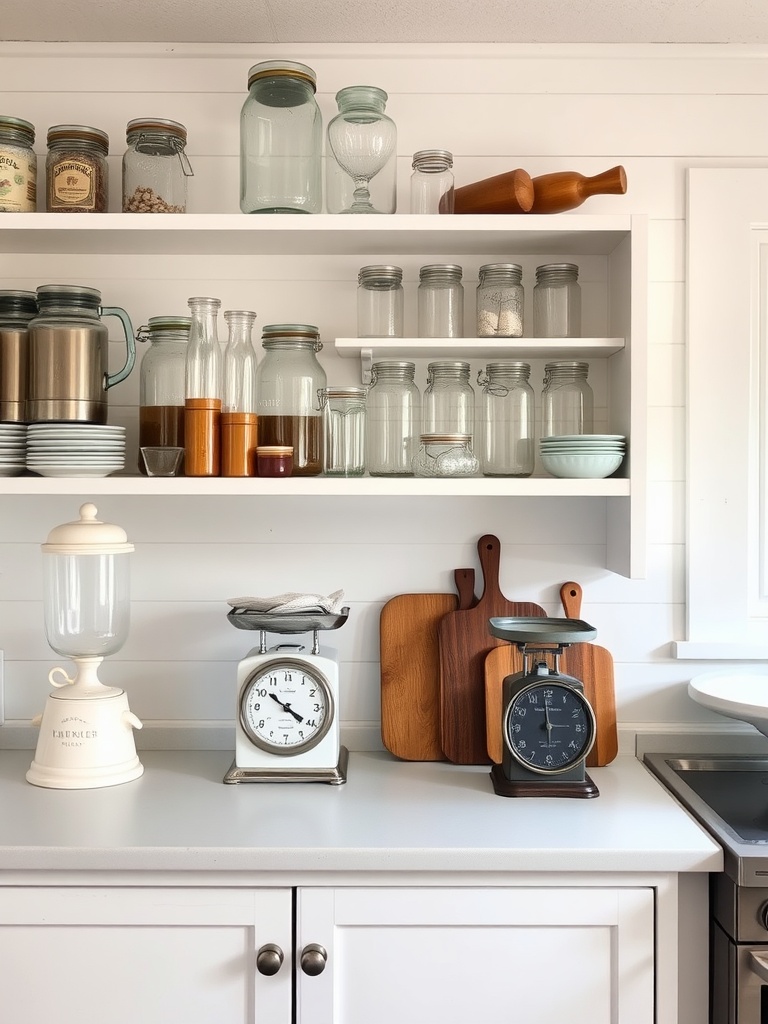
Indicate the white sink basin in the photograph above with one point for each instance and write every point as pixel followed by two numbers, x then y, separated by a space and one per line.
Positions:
pixel 739 695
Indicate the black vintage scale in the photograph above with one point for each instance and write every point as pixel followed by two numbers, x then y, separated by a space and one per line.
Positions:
pixel 548 725
pixel 287 718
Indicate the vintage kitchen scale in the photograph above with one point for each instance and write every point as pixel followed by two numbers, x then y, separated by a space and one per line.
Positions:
pixel 548 726
pixel 287 723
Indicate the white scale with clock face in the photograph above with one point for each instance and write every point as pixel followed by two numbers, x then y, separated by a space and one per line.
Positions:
pixel 287 715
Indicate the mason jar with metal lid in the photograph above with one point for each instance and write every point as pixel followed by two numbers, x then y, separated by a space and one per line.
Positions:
pixel 18 166
pixel 281 140
pixel 17 308
pixel 76 169
pixel 393 418
pixel 557 301
pixel 441 301
pixel 449 399
pixel 432 181
pixel 380 302
pixel 567 402
pixel 155 166
pixel 506 420
pixel 499 299
pixel 162 382
pixel 288 379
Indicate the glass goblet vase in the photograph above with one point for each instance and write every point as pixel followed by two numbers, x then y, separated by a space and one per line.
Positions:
pixel 362 138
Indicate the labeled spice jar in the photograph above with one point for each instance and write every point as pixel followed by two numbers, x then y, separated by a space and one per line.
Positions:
pixel 432 181
pixel 506 420
pixel 274 460
pixel 567 402
pixel 18 166
pixel 343 430
pixel 162 374
pixel 445 455
pixel 155 167
pixel 393 418
pixel 440 301
pixel 499 299
pixel 557 301
pixel 380 302
pixel 76 169
pixel 449 399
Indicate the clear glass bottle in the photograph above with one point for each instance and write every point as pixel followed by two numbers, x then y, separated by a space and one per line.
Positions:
pixel 362 143
pixel 380 302
pixel 440 301
pixel 17 308
pixel 445 455
pixel 499 301
pixel 394 418
pixel 18 166
pixel 203 388
pixel 281 140
pixel 76 169
pixel 432 181
pixel 449 399
pixel 557 301
pixel 506 420
pixel 287 382
pixel 567 402
pixel 162 383
pixel 239 432
pixel 343 412
pixel 155 166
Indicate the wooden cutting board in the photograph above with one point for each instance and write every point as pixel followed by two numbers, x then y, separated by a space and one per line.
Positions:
pixel 591 664
pixel 410 680
pixel 464 641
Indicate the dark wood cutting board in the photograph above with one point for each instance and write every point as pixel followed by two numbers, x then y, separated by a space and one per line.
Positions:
pixel 464 641
pixel 410 680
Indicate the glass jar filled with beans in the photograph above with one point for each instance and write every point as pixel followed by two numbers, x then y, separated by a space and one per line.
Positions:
pixel 76 169
pixel 155 167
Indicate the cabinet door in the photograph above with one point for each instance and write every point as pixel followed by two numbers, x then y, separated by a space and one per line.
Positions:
pixel 463 956
pixel 154 956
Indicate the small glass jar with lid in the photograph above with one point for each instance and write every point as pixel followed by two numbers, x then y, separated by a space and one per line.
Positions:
pixel 288 379
pixel 440 301
pixel 449 399
pixel 445 455
pixel 557 301
pixel 394 418
pixel 567 402
pixel 18 166
pixel 155 167
pixel 380 302
pixel 281 140
pixel 499 299
pixel 432 181
pixel 162 382
pixel 76 169
pixel 506 420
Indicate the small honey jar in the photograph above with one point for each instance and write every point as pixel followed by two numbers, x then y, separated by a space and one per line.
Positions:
pixel 274 460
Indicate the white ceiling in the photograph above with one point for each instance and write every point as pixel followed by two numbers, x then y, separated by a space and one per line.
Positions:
pixel 395 21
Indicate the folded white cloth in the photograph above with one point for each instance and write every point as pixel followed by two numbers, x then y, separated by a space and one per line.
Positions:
pixel 284 604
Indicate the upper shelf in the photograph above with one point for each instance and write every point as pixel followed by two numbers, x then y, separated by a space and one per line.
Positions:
pixel 283 234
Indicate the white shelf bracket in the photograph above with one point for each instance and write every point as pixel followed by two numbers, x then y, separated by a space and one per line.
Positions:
pixel 366 362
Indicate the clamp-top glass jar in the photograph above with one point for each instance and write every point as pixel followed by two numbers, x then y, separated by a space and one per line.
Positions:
pixel 440 301
pixel 557 301
pixel 500 301
pixel 380 302
pixel 162 376
pixel 155 167
pixel 567 402
pixel 18 166
pixel 287 382
pixel 506 420
pixel 281 140
pixel 76 169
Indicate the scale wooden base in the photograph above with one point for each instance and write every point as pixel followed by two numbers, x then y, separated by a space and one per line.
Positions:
pixel 503 786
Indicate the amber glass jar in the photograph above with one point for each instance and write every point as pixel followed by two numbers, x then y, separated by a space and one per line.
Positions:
pixel 76 169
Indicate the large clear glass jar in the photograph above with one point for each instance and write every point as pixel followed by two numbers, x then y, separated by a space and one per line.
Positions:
pixel 281 140
pixel 557 301
pixel 18 166
pixel 380 302
pixel 343 411
pixel 440 301
pixel 17 308
pixel 394 418
pixel 162 374
pixel 287 382
pixel 499 301
pixel 567 402
pixel 155 167
pixel 203 387
pixel 76 169
pixel 506 420
pixel 362 143
pixel 449 399
pixel 432 181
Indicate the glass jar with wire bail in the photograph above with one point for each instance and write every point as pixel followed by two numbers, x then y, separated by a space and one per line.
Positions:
pixel 394 418
pixel 567 402
pixel 155 167
pixel 77 176
pixel 288 379
pixel 440 301
pixel 380 302
pixel 506 420
pixel 499 300
pixel 557 301
pixel 18 166
pixel 449 399
pixel 162 387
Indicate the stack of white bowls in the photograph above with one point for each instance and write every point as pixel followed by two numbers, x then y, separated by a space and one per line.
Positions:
pixel 13 440
pixel 583 456
pixel 75 449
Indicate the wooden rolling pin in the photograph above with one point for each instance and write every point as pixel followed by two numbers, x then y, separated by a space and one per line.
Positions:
pixel 510 192
pixel 565 190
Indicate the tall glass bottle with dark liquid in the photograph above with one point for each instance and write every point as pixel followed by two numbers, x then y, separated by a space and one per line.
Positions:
pixel 161 383
pixel 287 382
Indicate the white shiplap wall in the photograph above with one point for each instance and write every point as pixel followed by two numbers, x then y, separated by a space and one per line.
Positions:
pixel 655 109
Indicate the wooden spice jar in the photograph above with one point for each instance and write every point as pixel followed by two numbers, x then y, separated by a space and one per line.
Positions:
pixel 76 169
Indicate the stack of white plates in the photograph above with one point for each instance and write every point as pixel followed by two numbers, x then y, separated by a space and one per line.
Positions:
pixel 583 455
pixel 75 449
pixel 13 439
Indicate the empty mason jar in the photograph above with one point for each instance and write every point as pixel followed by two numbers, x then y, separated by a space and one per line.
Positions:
pixel 506 423
pixel 380 302
pixel 566 402
pixel 499 300
pixel 441 301
pixel 449 399
pixel 557 301
pixel 432 181
pixel 343 412
pixel 393 418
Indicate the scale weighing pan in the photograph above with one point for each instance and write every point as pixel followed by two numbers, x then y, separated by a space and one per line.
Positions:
pixel 292 622
pixel 525 630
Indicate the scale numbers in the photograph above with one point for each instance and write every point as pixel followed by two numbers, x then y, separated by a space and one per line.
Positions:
pixel 286 707
pixel 549 727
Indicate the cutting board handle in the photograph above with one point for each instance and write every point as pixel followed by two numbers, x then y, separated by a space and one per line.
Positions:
pixel 489 550
pixel 570 595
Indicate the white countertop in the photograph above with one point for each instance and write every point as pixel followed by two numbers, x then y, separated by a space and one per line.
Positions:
pixel 390 816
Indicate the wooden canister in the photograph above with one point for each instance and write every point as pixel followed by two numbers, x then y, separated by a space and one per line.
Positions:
pixel 239 437
pixel 202 437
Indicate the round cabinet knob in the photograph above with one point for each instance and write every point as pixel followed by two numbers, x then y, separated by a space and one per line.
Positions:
pixel 313 959
pixel 269 959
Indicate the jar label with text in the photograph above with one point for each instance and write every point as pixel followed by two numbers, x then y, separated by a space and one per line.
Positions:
pixel 73 184
pixel 18 180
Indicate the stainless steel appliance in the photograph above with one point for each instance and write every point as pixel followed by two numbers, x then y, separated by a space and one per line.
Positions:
pixel 729 796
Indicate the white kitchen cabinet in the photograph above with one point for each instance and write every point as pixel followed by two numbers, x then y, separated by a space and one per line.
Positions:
pixel 411 955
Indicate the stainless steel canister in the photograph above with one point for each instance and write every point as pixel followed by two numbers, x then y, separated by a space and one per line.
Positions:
pixel 17 308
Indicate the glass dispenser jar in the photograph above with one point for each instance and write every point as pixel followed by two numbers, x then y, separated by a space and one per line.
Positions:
pixel 506 420
pixel 18 166
pixel 203 387
pixel 287 383
pixel 155 167
pixel 162 374
pixel 557 301
pixel 239 433
pixel 380 302
pixel 281 140
pixel 362 142
pixel 449 399
pixel 499 299
pixel 76 169
pixel 440 301
pixel 17 308
pixel 394 418
pixel 566 402
pixel 432 181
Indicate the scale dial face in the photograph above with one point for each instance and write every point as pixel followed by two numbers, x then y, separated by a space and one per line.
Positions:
pixel 286 706
pixel 549 727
